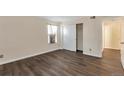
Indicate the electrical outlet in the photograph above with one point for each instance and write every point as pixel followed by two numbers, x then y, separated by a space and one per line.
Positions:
pixel 1 56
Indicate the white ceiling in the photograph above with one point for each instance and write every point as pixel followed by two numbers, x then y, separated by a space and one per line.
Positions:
pixel 63 18
pixel 69 18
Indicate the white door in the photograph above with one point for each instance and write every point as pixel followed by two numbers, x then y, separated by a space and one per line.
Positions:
pixel 122 44
pixel 69 37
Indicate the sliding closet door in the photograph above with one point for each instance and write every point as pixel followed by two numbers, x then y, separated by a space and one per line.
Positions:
pixel 69 37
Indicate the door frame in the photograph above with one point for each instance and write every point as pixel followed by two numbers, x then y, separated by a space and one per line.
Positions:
pixel 77 37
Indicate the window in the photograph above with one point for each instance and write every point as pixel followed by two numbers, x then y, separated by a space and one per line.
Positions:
pixel 52 34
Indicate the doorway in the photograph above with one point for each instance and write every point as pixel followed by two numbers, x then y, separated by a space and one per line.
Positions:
pixel 79 37
pixel 112 35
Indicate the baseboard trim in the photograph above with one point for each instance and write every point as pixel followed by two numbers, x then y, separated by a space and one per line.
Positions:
pixel 28 56
pixel 93 55
pixel 112 48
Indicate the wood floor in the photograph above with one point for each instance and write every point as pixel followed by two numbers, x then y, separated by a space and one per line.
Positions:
pixel 63 62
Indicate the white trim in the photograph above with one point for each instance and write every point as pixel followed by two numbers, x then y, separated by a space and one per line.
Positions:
pixel 91 54
pixel 112 48
pixel 28 56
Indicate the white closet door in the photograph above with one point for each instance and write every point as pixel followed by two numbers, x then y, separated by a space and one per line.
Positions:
pixel 69 37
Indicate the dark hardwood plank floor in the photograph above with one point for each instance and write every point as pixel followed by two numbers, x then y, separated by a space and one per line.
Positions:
pixel 63 62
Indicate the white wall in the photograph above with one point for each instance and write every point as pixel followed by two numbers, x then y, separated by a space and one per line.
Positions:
pixel 92 37
pixel 21 37
pixel 112 34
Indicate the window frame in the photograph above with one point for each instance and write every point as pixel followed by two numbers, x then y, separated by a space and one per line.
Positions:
pixel 56 34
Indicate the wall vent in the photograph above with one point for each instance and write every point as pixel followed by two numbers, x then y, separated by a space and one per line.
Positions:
pixel 92 17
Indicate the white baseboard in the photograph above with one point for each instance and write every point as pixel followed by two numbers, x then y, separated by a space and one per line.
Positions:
pixel 112 48
pixel 24 57
pixel 91 54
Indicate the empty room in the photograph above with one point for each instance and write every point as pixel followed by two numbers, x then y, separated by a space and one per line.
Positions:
pixel 61 46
